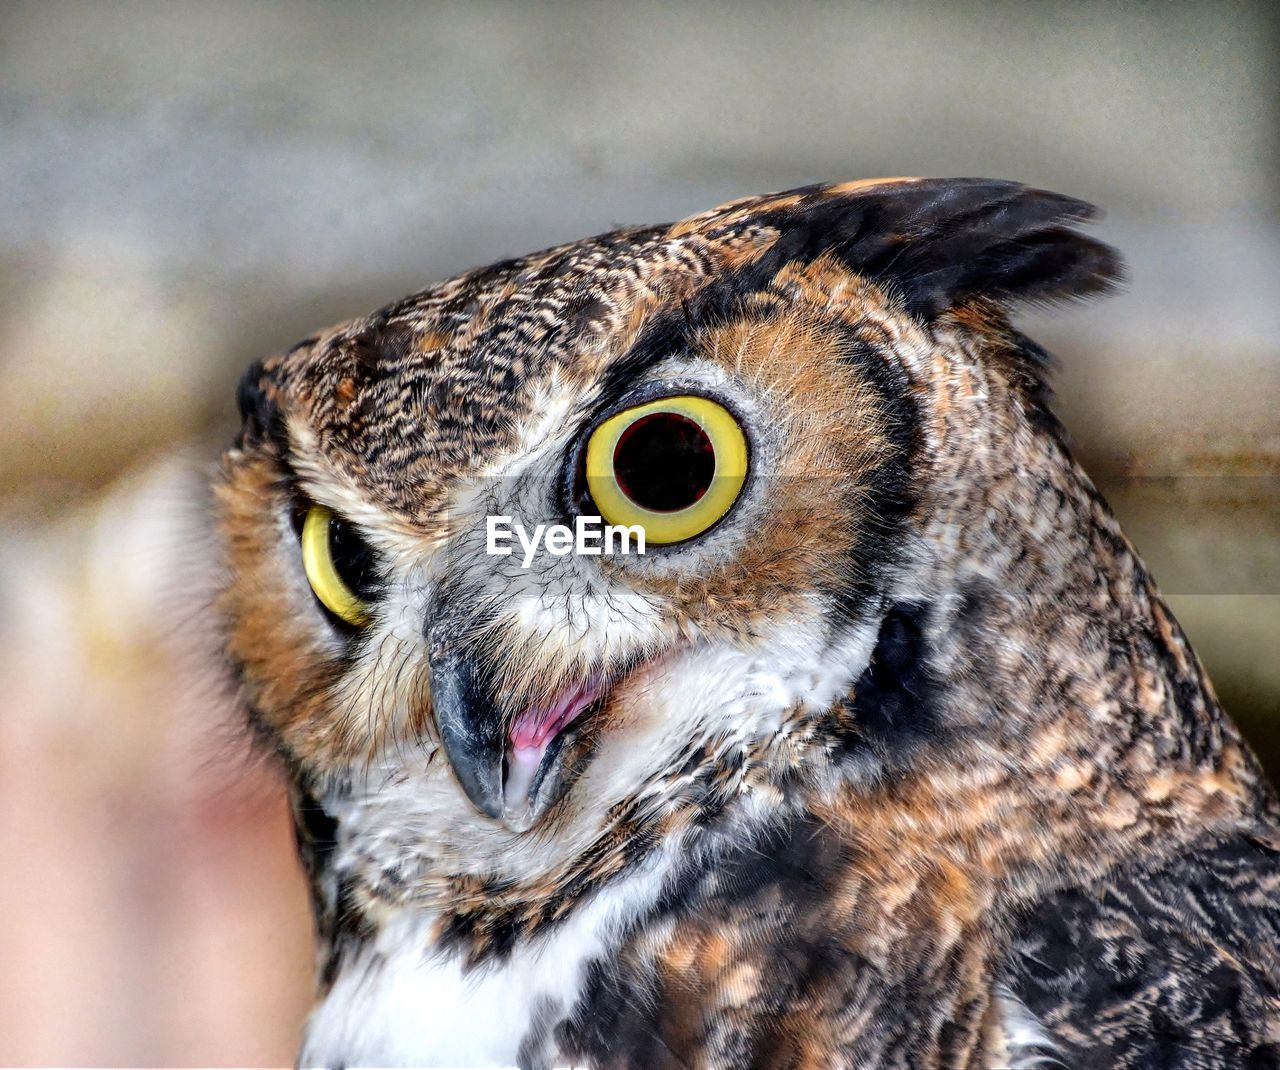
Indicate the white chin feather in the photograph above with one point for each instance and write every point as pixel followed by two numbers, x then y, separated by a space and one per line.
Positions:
pixel 397 1003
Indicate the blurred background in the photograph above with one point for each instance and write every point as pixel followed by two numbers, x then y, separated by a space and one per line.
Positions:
pixel 185 187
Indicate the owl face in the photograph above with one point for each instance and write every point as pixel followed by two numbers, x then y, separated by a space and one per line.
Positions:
pixel 760 389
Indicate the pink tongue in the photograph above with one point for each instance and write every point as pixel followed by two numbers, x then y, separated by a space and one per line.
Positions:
pixel 538 725
pixel 530 735
pixel 532 731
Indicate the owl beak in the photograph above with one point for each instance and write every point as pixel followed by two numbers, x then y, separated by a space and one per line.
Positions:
pixel 512 769
pixel 472 728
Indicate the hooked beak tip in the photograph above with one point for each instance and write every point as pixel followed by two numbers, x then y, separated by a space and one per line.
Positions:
pixel 511 770
pixel 470 731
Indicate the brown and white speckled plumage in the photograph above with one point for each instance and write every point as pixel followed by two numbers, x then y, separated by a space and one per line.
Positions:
pixel 903 764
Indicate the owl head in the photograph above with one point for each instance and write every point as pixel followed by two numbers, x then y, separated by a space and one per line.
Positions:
pixel 808 404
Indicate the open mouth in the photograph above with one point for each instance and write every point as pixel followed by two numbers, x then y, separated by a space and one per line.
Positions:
pixel 512 769
pixel 533 771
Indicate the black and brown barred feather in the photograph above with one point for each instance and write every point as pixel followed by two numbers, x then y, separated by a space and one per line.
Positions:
pixel 1169 965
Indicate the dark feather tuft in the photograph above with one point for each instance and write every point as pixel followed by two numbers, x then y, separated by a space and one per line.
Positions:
pixel 936 242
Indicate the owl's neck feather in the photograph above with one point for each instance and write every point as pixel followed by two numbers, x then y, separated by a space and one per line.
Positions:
pixel 1080 727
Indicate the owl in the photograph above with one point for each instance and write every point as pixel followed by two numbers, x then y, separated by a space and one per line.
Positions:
pixel 695 646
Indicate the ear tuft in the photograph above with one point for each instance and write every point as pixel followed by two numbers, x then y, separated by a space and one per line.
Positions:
pixel 259 415
pixel 937 242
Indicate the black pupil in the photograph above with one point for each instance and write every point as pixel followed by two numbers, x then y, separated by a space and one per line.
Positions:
pixel 664 462
pixel 353 558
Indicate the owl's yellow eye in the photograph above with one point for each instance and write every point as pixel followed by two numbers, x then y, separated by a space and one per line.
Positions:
pixel 674 466
pixel 325 541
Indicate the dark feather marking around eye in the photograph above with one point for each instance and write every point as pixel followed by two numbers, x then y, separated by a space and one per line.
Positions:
pixel 669 333
pixel 895 700
pixel 886 495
